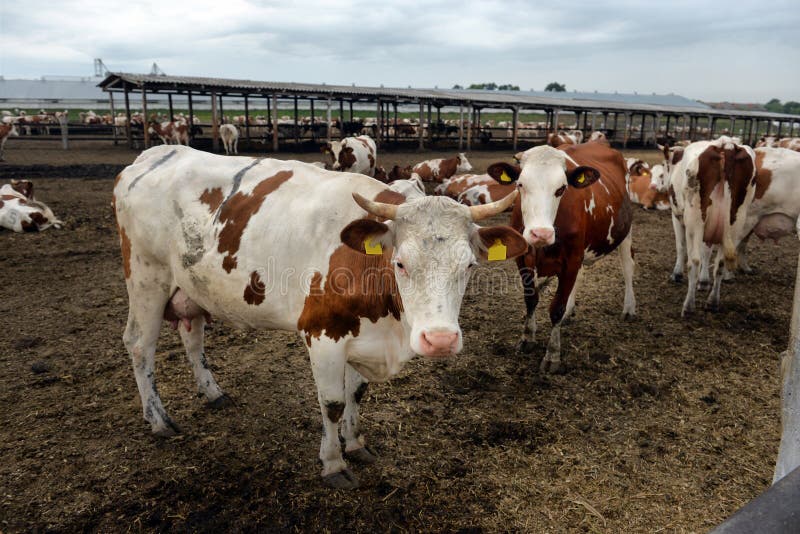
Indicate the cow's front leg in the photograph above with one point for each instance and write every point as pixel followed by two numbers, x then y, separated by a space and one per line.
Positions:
pixel 355 447
pixel 328 363
pixel 694 243
pixel 531 295
pixel 566 282
pixel 193 343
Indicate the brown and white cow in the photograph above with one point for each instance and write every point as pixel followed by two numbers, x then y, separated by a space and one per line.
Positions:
pixel 598 137
pixel 365 277
pixel 6 131
pixel 19 212
pixel 641 183
pixel 555 140
pixel 170 132
pixel 353 154
pixel 789 451
pixel 478 195
pixel 711 187
pixel 454 186
pixel 438 170
pixel 230 138
pixel 573 209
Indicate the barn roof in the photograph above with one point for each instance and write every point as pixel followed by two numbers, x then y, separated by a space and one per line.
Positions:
pixel 598 102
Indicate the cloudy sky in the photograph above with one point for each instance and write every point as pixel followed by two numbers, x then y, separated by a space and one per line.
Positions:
pixel 739 50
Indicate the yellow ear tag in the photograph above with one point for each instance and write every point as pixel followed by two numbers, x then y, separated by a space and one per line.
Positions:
pixel 372 247
pixel 580 179
pixel 505 178
pixel 645 173
pixel 497 252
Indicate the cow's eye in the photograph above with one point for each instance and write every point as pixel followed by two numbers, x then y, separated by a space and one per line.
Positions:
pixel 401 267
pixel 519 185
pixel 560 190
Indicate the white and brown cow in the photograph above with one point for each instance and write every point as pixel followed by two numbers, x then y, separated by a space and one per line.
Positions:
pixel 555 140
pixel 478 195
pixel 366 278
pixel 230 138
pixel 573 209
pixel 776 204
pixel 789 451
pixel 19 212
pixel 641 182
pixel 453 187
pixel 170 132
pixel 6 131
pixel 438 170
pixel 353 154
pixel 711 187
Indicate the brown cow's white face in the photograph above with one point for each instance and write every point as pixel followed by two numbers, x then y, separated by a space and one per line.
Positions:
pixel 542 181
pixel 435 244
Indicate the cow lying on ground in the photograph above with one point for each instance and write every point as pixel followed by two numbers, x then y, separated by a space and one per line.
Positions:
pixel 454 186
pixel 378 279
pixel 555 140
pixel 573 209
pixel 410 188
pixel 19 212
pixel 230 138
pixel 353 154
pixel 789 451
pixel 397 173
pixel 484 194
pixel 438 170
pixel 711 186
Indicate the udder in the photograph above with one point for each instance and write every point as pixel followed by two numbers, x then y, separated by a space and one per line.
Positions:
pixel 181 310
pixel 774 226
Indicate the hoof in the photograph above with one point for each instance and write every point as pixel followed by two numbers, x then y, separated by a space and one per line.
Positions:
pixel 676 278
pixel 552 367
pixel 526 347
pixel 169 430
pixel 687 312
pixel 628 316
pixel 703 285
pixel 748 270
pixel 342 480
pixel 364 455
pixel 712 306
pixel 221 402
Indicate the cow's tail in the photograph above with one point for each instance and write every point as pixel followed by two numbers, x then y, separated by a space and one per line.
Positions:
pixel 728 169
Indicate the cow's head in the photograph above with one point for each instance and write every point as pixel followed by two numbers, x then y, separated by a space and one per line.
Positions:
pixel 341 155
pixel 543 176
pixel 435 246
pixel 658 179
pixel 463 164
pixel 672 156
pixel 24 187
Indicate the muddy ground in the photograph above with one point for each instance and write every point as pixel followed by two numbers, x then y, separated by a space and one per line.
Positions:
pixel 659 424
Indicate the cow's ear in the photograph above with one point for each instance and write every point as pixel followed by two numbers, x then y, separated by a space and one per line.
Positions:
pixel 367 236
pixel 495 243
pixel 326 148
pixel 582 176
pixel 505 173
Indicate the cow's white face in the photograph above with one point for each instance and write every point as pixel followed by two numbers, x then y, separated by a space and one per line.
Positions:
pixel 542 180
pixel 333 150
pixel 436 245
pixel 463 164
pixel 658 178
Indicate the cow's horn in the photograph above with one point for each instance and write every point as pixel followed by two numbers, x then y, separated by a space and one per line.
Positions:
pixel 493 208
pixel 378 209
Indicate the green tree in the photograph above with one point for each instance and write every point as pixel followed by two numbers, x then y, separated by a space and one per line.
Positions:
pixel 456 86
pixel 555 86
pixel 774 106
pixel 792 107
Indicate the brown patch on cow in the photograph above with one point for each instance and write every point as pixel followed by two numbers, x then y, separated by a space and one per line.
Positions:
pixel 380 175
pixel 346 158
pixel 447 168
pixel 117 179
pixel 717 165
pixel 357 286
pixel 677 155
pixel 387 196
pixel 235 214
pixel 23 187
pixel 38 218
pixel 672 195
pixel 763 175
pixel 424 171
pixel 125 245
pixel 363 142
pixel 254 292
pixel 1 204
pixel 334 410
pixel 371 159
pixel 212 198
pixel 22 201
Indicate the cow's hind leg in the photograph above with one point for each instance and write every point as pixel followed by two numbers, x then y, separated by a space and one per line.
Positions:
pixel 148 293
pixel 704 280
pixel 328 363
pixel 193 343
pixel 628 266
pixel 712 303
pixel 680 249
pixel 355 447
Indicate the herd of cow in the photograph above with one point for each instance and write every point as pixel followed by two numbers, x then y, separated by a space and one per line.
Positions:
pixel 370 270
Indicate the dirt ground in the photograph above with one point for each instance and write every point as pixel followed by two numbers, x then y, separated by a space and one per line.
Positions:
pixel 659 424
